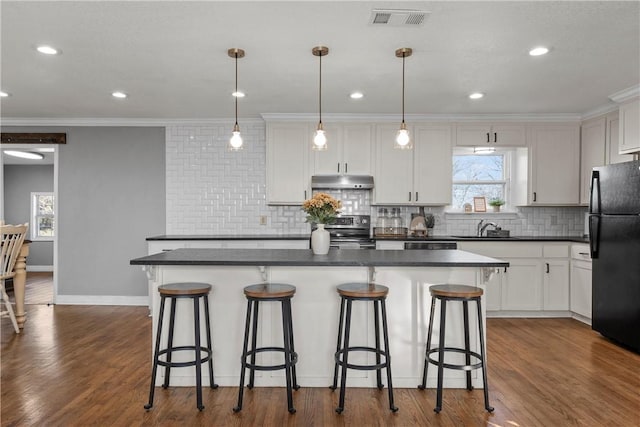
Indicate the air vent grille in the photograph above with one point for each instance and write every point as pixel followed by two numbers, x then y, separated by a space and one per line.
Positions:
pixel 398 17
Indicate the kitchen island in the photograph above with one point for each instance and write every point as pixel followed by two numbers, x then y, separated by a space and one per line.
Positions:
pixel 408 274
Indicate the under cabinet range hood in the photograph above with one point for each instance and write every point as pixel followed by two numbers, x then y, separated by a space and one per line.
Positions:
pixel 342 182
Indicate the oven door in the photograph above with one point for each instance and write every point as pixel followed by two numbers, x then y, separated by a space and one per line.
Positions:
pixel 353 244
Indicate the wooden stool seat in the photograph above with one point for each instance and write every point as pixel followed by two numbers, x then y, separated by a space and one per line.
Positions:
pixel 270 290
pixel 455 291
pixel 362 290
pixel 184 288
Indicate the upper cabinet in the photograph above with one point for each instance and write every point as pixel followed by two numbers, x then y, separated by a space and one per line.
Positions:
pixel 421 176
pixel 629 125
pixel 287 159
pixel 592 152
pixel 349 150
pixel 554 164
pixel 483 134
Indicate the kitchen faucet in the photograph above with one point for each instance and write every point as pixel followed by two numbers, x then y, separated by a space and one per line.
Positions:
pixel 482 226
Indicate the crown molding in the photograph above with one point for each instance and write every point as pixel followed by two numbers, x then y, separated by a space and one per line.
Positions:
pixel 516 117
pixel 121 122
pixel 625 94
pixel 600 111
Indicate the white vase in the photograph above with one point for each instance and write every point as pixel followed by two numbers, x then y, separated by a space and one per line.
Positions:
pixel 320 240
pixel 496 208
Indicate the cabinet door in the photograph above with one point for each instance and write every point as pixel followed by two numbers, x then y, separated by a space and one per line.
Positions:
pixel 629 115
pixel 394 169
pixel 508 135
pixel 328 161
pixel 493 292
pixel 554 165
pixel 473 134
pixel 522 285
pixel 592 150
pixel 555 288
pixel 581 289
pixel 287 172
pixel 357 140
pixel 432 164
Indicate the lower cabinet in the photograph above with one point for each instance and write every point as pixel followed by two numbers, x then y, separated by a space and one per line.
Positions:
pixel 555 285
pixel 521 285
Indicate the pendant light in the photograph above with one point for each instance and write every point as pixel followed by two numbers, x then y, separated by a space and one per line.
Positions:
pixel 403 139
pixel 320 139
pixel 235 143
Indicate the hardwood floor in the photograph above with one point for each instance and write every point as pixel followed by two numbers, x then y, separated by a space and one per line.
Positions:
pixel 38 288
pixel 90 365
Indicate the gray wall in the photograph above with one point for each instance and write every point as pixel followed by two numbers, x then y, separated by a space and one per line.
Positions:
pixel 111 196
pixel 19 182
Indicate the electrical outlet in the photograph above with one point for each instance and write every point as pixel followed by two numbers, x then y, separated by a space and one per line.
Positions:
pixel 263 220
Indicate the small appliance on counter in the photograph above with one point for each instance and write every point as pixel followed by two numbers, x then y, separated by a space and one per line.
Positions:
pixel 389 226
pixel 421 223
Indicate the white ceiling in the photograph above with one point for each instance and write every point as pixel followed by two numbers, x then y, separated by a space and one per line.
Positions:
pixel 171 57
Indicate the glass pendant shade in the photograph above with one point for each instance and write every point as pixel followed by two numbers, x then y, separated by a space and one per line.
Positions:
pixel 235 143
pixel 403 140
pixel 319 139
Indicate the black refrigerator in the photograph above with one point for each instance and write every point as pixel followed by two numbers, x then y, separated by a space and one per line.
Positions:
pixel 614 229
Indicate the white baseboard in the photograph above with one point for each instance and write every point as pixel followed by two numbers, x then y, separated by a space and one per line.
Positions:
pixel 40 268
pixel 101 300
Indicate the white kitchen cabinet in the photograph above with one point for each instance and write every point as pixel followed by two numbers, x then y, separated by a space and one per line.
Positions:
pixel 555 285
pixel 629 127
pixel 486 134
pixel 581 289
pixel 349 150
pixel 613 141
pixel 521 285
pixel 554 164
pixel 592 152
pixel 421 176
pixel 288 179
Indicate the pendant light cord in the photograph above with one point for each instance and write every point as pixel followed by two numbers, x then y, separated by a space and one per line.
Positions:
pixel 403 56
pixel 320 91
pixel 236 55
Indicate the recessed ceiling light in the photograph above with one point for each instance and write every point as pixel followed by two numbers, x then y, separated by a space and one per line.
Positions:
pixel 119 95
pixel 3 94
pixel 537 51
pixel 46 150
pixel 24 154
pixel 476 95
pixel 356 95
pixel 238 94
pixel 48 50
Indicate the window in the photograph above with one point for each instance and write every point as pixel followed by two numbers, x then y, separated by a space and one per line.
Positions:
pixel 42 216
pixel 479 175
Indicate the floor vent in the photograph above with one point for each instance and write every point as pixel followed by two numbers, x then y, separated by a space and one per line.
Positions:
pixel 398 17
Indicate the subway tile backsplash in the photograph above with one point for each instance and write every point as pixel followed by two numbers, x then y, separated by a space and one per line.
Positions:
pixel 211 190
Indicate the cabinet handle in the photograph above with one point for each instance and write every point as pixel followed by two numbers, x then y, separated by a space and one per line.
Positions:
pixel 346 167
pixel 305 194
pixel 583 253
pixel 409 195
pixel 416 196
pixel 535 196
pixel 505 269
pixel 495 137
pixel 547 267
pixel 488 140
pixel 338 167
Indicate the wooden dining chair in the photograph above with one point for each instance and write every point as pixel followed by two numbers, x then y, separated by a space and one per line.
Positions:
pixel 12 239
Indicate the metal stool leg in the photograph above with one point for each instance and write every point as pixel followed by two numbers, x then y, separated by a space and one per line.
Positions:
pixel 485 383
pixel 376 323
pixel 467 347
pixel 294 355
pixel 243 361
pixel 154 369
pixel 172 320
pixel 387 355
pixel 426 354
pixel 345 358
pixel 198 351
pixel 254 338
pixel 286 330
pixel 443 317
pixel 338 346
pixel 212 383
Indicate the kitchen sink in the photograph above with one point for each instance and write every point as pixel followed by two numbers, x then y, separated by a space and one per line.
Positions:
pixel 485 237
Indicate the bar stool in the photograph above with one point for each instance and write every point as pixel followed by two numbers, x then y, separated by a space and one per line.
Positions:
pixel 269 292
pixel 462 293
pixel 175 291
pixel 350 292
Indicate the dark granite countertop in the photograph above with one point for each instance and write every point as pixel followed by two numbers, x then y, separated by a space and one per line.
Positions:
pixel 231 237
pixel 306 258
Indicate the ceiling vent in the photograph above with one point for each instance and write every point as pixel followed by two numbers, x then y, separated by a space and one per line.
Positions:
pixel 398 17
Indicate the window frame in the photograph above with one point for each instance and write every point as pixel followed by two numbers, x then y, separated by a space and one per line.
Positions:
pixel 35 216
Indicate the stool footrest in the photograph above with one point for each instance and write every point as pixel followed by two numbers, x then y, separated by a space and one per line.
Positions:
pixel 454 366
pixel 377 366
pixel 294 359
pixel 173 364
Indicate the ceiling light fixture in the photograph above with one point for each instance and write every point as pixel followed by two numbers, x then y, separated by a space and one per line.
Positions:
pixel 235 143
pixel 238 94
pixel 24 154
pixel 537 51
pixel 403 140
pixel 356 95
pixel 3 94
pixel 320 139
pixel 483 150
pixel 119 95
pixel 47 50
pixel 476 95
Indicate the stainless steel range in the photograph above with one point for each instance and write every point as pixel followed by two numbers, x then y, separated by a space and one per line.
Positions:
pixel 351 232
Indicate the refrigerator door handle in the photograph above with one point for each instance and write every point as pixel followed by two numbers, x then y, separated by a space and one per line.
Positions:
pixel 594 235
pixel 594 207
